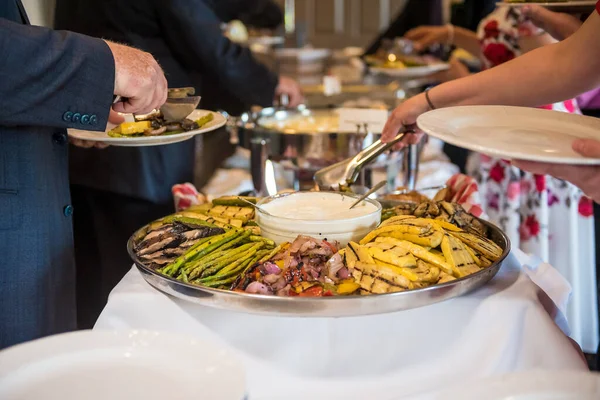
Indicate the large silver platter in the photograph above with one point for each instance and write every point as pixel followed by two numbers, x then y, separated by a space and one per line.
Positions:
pixel 339 306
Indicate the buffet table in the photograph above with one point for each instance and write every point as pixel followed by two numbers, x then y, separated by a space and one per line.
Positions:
pixel 509 325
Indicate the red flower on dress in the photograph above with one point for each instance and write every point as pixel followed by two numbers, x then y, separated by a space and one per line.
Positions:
pixel 491 30
pixel 493 201
pixel 514 190
pixel 525 186
pixel 498 53
pixel 540 183
pixel 497 173
pixel 547 107
pixel 532 225
pixel 524 234
pixel 586 207
pixel 552 199
pixel 570 106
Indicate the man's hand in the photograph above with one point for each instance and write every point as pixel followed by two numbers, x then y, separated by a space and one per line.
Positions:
pixel 559 25
pixel 139 80
pixel 289 87
pixel 587 178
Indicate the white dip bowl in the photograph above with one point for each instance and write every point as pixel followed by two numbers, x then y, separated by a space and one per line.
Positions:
pixel 322 215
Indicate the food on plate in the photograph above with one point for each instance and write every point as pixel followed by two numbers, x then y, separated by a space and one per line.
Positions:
pixel 412 196
pixel 157 125
pixel 218 245
pixel 395 61
pixel 315 121
pixel 307 267
pixel 444 211
pixel 407 252
pixel 171 238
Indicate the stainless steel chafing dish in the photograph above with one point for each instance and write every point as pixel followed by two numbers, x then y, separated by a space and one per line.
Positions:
pixel 305 140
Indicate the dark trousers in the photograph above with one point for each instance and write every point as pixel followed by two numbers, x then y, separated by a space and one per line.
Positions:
pixel 103 222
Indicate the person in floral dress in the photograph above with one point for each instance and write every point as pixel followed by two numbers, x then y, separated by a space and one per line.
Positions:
pixel 528 207
pixel 542 215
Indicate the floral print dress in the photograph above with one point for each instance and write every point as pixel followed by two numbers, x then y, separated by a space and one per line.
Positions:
pixel 542 215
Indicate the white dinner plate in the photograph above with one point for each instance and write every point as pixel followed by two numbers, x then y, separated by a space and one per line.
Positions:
pixel 532 385
pixel 218 121
pixel 513 132
pixel 411 72
pixel 101 365
pixel 266 40
pixel 563 6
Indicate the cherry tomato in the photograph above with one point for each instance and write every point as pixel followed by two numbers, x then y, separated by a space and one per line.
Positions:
pixel 314 291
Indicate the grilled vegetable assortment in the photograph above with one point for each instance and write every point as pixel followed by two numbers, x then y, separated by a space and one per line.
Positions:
pixel 407 252
pixel 157 125
pixel 218 245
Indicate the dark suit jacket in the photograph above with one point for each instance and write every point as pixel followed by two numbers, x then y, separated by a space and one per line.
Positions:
pixel 414 14
pixel 471 12
pixel 185 37
pixel 45 78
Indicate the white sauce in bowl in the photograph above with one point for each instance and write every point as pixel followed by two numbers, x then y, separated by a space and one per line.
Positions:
pixel 318 206
pixel 317 214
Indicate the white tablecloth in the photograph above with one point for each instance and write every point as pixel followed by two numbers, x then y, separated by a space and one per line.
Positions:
pixel 509 325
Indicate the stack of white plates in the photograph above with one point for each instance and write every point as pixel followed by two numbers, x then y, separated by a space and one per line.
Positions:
pixel 96 365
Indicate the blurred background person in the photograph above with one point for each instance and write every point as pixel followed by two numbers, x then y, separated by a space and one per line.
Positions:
pixel 118 190
pixel 525 205
pixel 415 13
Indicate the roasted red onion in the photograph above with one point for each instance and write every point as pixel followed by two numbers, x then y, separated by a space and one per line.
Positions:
pixel 258 288
pixel 270 268
pixel 344 273
pixel 271 278
pixel 334 264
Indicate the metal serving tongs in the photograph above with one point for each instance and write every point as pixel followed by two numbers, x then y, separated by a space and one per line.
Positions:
pixel 341 175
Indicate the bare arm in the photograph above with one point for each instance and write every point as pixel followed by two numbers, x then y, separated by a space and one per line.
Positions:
pixel 425 36
pixel 467 40
pixel 552 73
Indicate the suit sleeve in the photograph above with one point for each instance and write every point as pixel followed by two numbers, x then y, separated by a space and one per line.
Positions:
pixel 53 78
pixel 193 33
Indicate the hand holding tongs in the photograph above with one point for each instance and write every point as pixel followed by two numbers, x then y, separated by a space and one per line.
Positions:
pixel 345 173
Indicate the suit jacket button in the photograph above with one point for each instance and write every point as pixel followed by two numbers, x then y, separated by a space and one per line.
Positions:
pixel 76 117
pixel 68 116
pixel 85 119
pixel 68 210
pixel 93 119
pixel 59 138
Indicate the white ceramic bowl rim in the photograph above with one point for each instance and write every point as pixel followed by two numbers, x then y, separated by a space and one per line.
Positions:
pixel 265 200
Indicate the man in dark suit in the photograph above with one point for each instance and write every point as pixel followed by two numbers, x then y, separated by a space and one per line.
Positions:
pixel 51 81
pixel 122 189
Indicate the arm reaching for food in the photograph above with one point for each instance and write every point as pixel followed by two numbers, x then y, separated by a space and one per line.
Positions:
pixel 291 88
pixel 425 36
pixel 587 178
pixel 533 79
pixel 559 25
pixel 66 80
